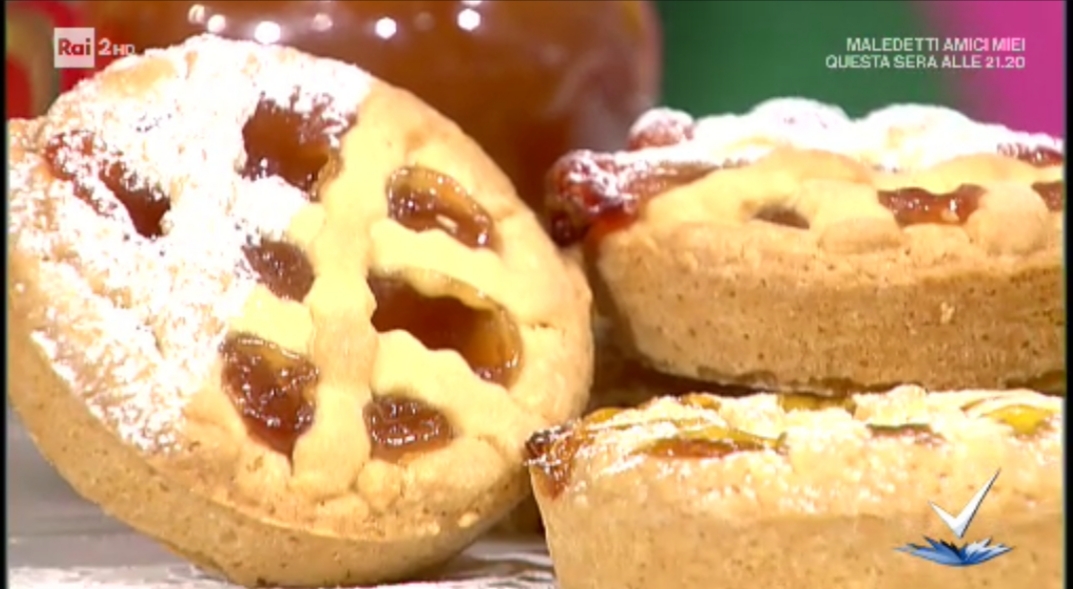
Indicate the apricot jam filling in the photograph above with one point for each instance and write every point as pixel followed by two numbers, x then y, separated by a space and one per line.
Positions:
pixel 296 145
pixel 487 339
pixel 1024 420
pixel 913 206
pixel 282 267
pixel 803 402
pixel 270 387
pixel 552 452
pixel 78 157
pixel 400 425
pixel 422 199
pixel 591 194
pixel 710 442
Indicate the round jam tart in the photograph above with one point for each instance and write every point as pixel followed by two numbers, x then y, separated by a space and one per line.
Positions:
pixel 802 491
pixel 793 248
pixel 282 316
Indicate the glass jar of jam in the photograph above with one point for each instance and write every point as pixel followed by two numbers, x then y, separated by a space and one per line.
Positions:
pixel 529 80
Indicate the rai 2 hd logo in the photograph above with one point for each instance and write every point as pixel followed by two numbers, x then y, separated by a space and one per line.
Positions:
pixel 79 48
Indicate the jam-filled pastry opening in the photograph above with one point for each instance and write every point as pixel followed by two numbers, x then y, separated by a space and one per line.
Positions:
pixel 780 215
pixel 487 339
pixel 914 206
pixel 588 191
pixel 294 144
pixel 696 438
pixel 283 268
pixel 552 452
pixel 399 425
pixel 422 199
pixel 712 441
pixel 80 158
pixel 271 388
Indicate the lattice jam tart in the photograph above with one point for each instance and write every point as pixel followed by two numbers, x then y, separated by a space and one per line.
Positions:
pixel 802 491
pixel 282 316
pixel 797 249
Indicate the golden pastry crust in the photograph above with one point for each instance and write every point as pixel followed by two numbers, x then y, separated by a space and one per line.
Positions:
pixel 768 491
pixel 702 287
pixel 116 337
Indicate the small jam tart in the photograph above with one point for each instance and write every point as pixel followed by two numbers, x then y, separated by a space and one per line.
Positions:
pixel 294 323
pixel 793 248
pixel 786 492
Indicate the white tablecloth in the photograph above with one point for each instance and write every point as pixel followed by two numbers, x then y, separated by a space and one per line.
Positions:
pixel 58 541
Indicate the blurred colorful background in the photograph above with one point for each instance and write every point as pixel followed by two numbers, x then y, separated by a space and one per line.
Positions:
pixel 728 55
pixel 532 79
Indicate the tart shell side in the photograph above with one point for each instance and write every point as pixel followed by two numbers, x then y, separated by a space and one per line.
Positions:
pixel 765 307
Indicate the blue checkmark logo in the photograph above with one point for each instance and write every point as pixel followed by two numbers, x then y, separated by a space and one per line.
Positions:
pixel 950 554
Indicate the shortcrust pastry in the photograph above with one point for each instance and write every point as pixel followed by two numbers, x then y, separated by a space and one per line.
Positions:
pixel 800 491
pixel 793 248
pixel 619 381
pixel 282 316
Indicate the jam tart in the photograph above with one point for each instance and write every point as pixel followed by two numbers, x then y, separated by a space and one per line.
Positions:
pixel 281 316
pixel 801 491
pixel 793 248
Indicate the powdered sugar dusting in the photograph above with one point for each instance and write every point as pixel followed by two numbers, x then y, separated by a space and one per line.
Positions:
pixel 908 136
pixel 134 324
pixel 801 113
pixel 616 177
pixel 660 116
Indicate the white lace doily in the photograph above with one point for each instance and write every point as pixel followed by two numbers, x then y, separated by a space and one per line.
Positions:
pixel 527 567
